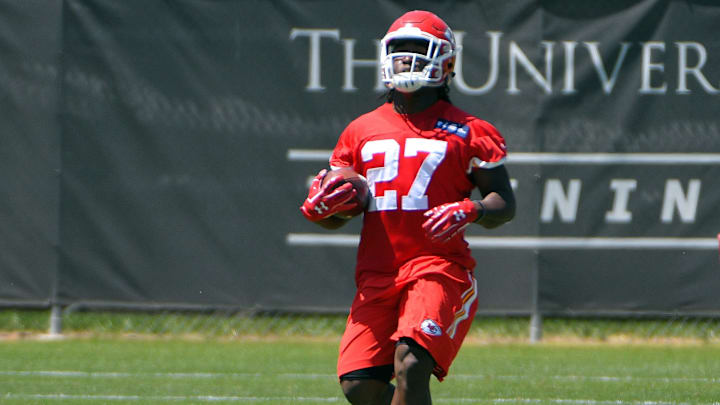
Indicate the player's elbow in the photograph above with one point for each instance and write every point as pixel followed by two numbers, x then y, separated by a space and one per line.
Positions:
pixel 491 223
pixel 500 216
pixel 509 210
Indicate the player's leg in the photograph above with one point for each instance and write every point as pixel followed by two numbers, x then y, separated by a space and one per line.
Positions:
pixel 368 386
pixel 365 362
pixel 413 368
pixel 437 310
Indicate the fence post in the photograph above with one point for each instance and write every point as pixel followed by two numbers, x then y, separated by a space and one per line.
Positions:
pixel 535 327
pixel 55 320
pixel 535 316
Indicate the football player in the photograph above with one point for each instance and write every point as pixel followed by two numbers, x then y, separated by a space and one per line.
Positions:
pixel 422 157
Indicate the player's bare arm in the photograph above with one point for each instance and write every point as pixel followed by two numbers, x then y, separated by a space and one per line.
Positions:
pixel 498 203
pixel 497 207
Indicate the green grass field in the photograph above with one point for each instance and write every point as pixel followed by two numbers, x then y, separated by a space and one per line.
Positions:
pixel 127 370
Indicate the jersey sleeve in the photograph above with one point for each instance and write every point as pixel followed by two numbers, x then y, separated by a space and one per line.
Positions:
pixel 344 152
pixel 487 147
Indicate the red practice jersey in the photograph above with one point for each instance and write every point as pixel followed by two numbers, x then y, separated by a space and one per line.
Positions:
pixel 414 162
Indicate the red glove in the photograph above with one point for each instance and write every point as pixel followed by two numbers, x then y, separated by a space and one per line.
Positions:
pixel 324 201
pixel 447 220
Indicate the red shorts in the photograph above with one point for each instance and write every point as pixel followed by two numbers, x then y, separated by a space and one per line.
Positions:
pixel 431 300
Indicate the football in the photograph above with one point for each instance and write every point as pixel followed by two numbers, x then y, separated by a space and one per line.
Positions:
pixel 358 182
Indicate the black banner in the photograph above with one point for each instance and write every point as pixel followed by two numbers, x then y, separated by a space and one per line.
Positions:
pixel 29 151
pixel 188 130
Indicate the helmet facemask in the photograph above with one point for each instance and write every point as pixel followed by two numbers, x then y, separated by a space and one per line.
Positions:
pixel 430 59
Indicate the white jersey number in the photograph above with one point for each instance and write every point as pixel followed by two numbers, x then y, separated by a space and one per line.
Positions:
pixel 415 199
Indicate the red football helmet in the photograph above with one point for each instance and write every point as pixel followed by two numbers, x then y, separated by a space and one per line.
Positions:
pixel 426 44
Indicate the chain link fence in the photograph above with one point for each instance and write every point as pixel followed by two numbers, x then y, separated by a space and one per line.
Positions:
pixel 232 324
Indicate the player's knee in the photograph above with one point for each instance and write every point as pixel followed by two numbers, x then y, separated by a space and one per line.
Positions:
pixel 354 391
pixel 411 369
pixel 413 365
pixel 366 392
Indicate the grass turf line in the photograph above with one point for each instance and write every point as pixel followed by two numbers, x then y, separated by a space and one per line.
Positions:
pixel 122 371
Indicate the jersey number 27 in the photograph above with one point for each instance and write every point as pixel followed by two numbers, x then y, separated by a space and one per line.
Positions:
pixel 415 199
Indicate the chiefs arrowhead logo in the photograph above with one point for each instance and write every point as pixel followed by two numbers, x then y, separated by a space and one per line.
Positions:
pixel 430 328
